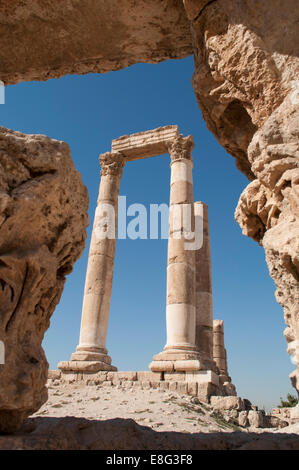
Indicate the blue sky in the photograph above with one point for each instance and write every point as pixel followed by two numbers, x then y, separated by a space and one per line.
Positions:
pixel 88 112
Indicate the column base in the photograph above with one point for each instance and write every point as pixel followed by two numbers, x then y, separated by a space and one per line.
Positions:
pixel 91 355
pixel 171 360
pixel 88 361
pixel 185 359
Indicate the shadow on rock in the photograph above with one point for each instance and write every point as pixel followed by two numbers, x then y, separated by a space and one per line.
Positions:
pixel 72 433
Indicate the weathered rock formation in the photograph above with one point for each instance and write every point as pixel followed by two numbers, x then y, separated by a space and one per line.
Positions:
pixel 244 66
pixel 124 434
pixel 43 216
pixel 245 80
pixel 49 39
pixel 268 211
pixel 246 83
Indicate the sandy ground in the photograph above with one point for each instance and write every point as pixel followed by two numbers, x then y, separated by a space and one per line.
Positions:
pixel 157 409
pixel 161 410
pixel 102 417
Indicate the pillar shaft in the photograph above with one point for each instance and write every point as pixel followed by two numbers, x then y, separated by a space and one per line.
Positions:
pixel 219 351
pixel 180 308
pixel 180 300
pixel 220 358
pixel 203 288
pixel 98 284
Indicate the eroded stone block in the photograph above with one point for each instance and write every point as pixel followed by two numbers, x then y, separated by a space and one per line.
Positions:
pixel 227 403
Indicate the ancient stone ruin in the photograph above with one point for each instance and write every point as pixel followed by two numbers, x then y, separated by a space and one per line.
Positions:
pixel 246 70
pixel 194 356
pixel 245 81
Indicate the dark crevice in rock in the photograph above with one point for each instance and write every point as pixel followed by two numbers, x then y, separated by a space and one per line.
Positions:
pixel 36 173
pixel 58 231
pixel 203 9
pixel 19 301
pixel 237 129
pixel 291 267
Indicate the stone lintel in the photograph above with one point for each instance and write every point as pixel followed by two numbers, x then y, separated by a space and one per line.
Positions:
pixel 145 144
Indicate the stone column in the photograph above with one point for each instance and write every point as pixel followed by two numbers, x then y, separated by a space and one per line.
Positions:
pixel 180 351
pixel 220 358
pixel 219 351
pixel 203 290
pixel 91 353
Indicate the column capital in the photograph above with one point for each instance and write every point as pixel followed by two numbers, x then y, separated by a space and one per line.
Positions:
pixel 112 163
pixel 180 148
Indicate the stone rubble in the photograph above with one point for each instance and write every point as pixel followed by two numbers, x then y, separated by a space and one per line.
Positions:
pixel 232 409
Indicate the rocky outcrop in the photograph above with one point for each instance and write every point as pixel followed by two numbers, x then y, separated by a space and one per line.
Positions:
pixel 43 217
pixel 49 39
pixel 119 434
pixel 246 83
pixel 269 207
pixel 244 66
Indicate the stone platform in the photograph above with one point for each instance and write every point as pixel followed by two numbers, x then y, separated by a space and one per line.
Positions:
pixel 200 392
pixel 201 384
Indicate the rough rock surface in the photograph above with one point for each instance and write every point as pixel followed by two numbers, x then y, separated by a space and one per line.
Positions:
pixel 83 36
pixel 43 217
pixel 244 65
pixel 125 434
pixel 246 83
pixel 268 211
pixel 245 80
